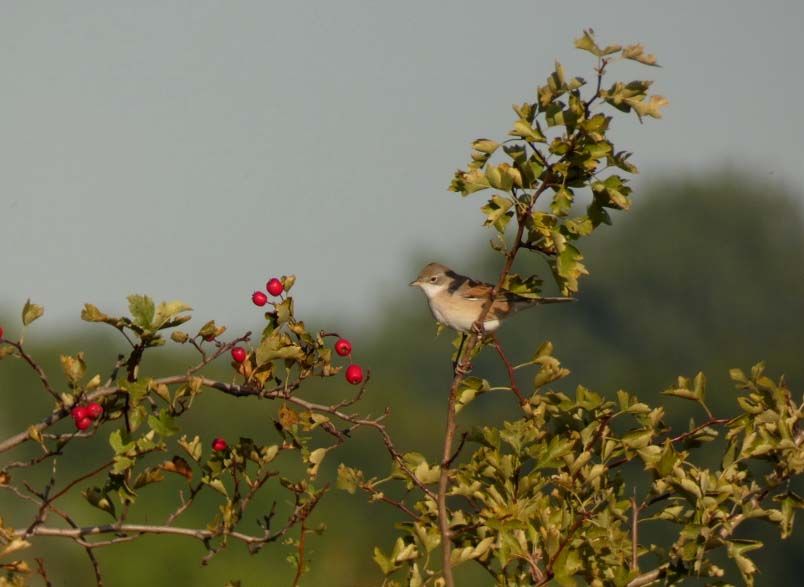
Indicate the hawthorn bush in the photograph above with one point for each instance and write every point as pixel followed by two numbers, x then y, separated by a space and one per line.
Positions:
pixel 539 499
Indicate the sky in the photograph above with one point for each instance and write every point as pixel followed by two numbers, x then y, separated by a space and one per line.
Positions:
pixel 191 150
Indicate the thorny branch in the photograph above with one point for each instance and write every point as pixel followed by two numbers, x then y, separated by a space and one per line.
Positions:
pixel 120 530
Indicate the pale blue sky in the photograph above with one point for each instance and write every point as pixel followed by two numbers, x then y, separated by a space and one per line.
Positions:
pixel 190 150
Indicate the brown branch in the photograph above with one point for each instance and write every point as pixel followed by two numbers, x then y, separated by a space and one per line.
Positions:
pixel 300 560
pixel 454 456
pixel 549 573
pixel 197 533
pixel 37 369
pixel 461 369
pixel 380 496
pixel 647 578
pixel 49 500
pixel 509 367
pixel 710 422
pixel 634 530
pixel 95 566
pixel 185 504
pixel 443 478
pixel 40 570
pixel 356 421
pixel 107 390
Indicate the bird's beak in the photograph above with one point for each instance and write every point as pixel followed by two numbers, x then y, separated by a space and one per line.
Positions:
pixel 414 283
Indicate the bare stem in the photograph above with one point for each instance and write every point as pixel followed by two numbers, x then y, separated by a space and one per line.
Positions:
pixel 443 481
pixel 37 369
pixel 511 378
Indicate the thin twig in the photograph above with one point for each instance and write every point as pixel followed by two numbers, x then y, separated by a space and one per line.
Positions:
pixel 300 560
pixel 37 369
pixel 634 530
pixel 511 377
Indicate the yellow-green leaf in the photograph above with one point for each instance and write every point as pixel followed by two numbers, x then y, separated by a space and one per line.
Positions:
pixel 31 312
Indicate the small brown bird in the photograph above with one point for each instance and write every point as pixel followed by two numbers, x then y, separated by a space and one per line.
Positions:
pixel 456 300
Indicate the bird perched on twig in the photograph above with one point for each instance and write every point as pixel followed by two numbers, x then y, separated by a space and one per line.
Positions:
pixel 457 301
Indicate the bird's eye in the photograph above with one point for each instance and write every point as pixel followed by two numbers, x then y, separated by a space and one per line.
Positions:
pixel 433 279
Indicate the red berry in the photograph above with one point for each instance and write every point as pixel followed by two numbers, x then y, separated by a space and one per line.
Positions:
pixel 79 413
pixel 94 410
pixel 259 298
pixel 274 287
pixel 343 347
pixel 354 374
pixel 239 354
pixel 209 338
pixel 83 423
pixel 1 332
pixel 219 444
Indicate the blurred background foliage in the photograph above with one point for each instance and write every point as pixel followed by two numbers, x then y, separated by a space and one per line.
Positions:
pixel 703 274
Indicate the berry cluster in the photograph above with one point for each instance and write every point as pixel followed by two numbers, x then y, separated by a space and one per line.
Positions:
pixel 354 373
pixel 83 416
pixel 274 286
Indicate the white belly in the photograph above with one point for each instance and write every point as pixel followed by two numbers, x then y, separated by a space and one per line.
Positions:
pixel 459 321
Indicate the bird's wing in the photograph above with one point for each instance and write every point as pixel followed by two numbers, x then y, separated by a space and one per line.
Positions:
pixel 475 290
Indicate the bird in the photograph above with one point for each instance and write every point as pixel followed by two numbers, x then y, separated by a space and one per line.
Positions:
pixel 457 300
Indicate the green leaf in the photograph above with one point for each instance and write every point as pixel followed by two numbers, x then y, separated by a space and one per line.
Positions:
pixel 529 287
pixel 485 146
pixel 164 425
pixel 349 479
pixel 192 447
pixel 217 485
pixel 142 310
pixel 567 564
pixel 13 545
pixel 469 389
pixel 468 182
pixel 738 375
pixel 100 499
pixel 179 336
pixel 568 266
pixel 122 464
pixel 650 108
pixel 737 549
pixel 276 347
pixel 497 212
pixel 31 312
pixel 790 503
pixel 637 439
pixel 92 314
pixel 315 459
pixel 167 314
pixel 562 202
pixel 636 52
pixel 120 442
pixel 587 43
pixel 137 390
pixel 387 566
pixel 210 330
pixel 503 177
pixel 524 130
pixel 461 555
pixel 74 368
pixel 284 311
pixel 421 469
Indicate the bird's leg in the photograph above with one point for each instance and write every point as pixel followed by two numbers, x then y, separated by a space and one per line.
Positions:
pixel 514 388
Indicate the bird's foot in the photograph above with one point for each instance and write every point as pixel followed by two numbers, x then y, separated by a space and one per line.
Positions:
pixel 463 368
pixel 477 328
